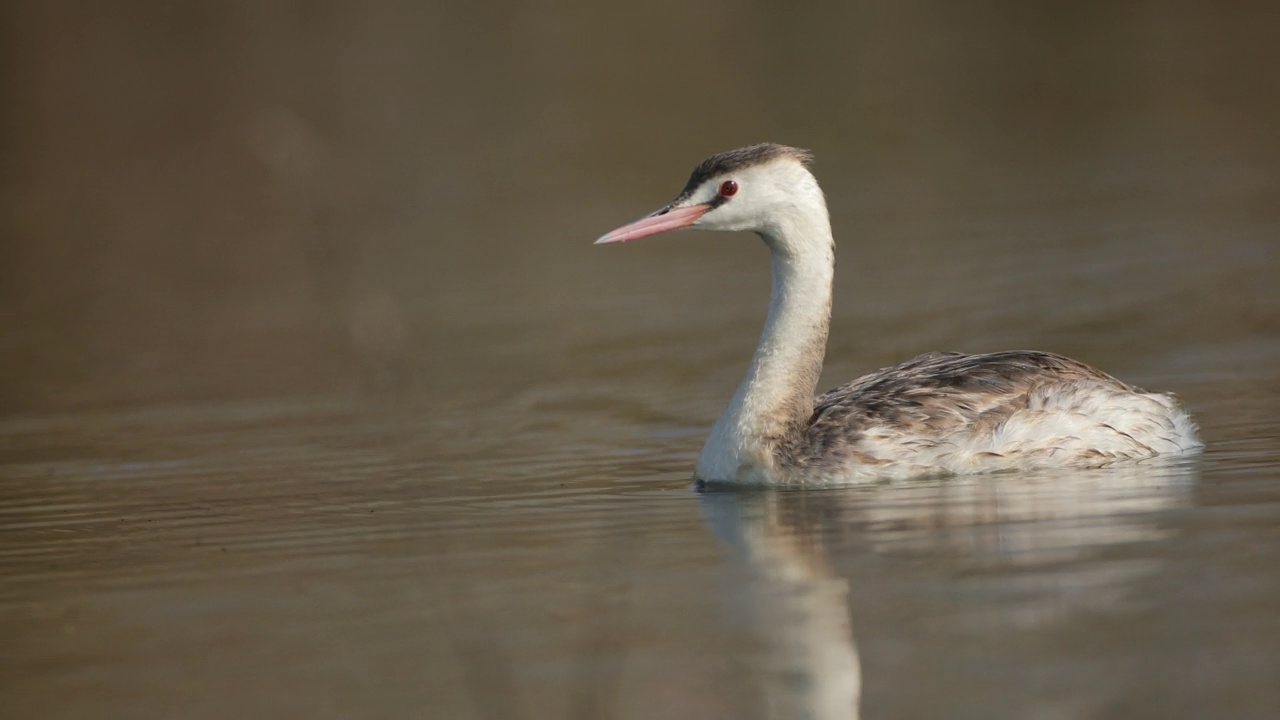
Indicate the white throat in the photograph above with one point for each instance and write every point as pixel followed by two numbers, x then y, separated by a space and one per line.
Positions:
pixel 776 397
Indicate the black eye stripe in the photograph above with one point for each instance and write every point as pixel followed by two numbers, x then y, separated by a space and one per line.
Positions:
pixel 716 200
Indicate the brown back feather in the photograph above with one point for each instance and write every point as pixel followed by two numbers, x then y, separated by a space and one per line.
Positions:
pixel 928 395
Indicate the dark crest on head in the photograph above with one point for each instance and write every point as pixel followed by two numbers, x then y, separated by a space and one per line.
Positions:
pixel 727 162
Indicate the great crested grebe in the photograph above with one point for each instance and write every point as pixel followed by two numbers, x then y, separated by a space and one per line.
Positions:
pixel 943 413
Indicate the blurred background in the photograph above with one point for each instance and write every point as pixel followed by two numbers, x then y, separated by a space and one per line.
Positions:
pixel 316 398
pixel 237 199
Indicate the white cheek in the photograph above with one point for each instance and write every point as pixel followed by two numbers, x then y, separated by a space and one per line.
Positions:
pixel 731 217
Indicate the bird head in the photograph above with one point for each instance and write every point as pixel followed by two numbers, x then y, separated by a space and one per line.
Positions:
pixel 757 188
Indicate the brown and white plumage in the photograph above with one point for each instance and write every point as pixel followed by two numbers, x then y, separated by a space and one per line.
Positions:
pixel 937 413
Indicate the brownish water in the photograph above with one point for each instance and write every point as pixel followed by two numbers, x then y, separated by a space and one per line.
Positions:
pixel 318 402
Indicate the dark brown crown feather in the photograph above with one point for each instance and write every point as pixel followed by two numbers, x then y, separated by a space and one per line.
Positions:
pixel 727 162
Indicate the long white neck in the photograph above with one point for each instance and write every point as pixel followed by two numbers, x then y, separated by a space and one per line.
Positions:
pixel 776 397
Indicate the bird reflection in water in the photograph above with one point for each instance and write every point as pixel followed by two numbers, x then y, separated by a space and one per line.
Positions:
pixel 798 603
pixel 1002 556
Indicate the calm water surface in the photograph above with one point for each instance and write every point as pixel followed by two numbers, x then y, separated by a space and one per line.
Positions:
pixel 542 554
pixel 316 400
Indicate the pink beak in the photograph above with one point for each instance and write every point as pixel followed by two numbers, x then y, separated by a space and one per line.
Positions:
pixel 658 222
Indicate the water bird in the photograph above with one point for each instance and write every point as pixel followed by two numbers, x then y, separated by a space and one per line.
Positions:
pixel 940 413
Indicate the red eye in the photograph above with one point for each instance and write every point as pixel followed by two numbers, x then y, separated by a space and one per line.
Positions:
pixel 728 188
